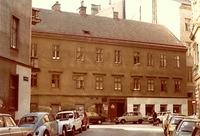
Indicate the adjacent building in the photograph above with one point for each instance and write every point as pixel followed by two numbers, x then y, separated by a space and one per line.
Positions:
pixel 195 51
pixel 15 70
pixel 106 65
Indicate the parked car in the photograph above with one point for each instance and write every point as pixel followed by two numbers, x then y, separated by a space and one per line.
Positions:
pixel 173 122
pixel 73 120
pixel 135 117
pixel 196 131
pixel 186 127
pixel 9 128
pixel 160 117
pixel 85 121
pixel 41 123
pixel 95 118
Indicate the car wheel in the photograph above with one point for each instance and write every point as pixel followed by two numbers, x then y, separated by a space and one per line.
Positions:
pixel 46 133
pixel 73 131
pixel 64 132
pixel 123 121
pixel 99 122
pixel 80 130
pixel 139 121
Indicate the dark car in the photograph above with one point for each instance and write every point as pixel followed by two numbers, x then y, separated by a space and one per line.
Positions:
pixel 196 131
pixel 85 121
pixel 95 118
pixel 9 128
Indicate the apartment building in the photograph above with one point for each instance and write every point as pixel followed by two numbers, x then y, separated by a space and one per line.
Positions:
pixel 15 71
pixel 177 20
pixel 195 51
pixel 105 65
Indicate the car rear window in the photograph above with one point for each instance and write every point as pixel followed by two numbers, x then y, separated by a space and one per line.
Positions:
pixel 28 120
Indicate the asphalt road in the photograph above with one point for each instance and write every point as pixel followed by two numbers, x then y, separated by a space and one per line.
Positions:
pixel 123 130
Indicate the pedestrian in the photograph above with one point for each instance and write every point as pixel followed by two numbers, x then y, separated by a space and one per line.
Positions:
pixel 154 117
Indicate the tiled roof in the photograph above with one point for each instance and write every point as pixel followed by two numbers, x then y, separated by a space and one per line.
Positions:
pixel 103 27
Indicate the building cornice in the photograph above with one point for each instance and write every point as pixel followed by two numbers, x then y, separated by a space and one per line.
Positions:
pixel 110 96
pixel 108 41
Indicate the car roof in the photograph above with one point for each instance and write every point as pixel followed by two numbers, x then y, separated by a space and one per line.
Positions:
pixel 4 114
pixel 191 119
pixel 65 112
pixel 35 114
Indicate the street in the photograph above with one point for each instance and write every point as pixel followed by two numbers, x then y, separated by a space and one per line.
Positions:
pixel 123 130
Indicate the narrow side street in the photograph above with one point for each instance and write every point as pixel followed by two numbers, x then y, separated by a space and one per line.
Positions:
pixel 123 130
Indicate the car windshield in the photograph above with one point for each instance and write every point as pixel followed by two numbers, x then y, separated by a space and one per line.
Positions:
pixel 187 126
pixel 175 120
pixel 28 120
pixel 64 116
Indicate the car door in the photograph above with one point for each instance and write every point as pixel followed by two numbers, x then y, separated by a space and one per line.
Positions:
pixel 53 124
pixel 11 126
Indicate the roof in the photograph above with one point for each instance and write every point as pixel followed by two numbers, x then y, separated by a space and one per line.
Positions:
pixel 67 23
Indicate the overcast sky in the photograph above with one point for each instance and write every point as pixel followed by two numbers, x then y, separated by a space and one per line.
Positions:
pixel 69 5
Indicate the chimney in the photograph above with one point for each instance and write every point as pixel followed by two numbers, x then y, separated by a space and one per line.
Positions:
pixel 95 9
pixel 56 6
pixel 82 9
pixel 115 15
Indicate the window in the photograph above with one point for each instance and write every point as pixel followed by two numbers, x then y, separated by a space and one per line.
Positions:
pixel 13 93
pixel 14 32
pixel 177 108
pixel 177 85
pixel 177 59
pixel 99 82
pixel 196 49
pixel 79 54
pixel 149 59
pixel 99 55
pixel 117 83
pixel 117 56
pixel 55 81
pixel 79 81
pixel 189 48
pixel 136 107
pixel 187 24
pixel 136 58
pixel 163 85
pixel 34 79
pixel 136 83
pixel 189 74
pixel 150 84
pixel 34 107
pixel 56 52
pixel 163 107
pixel 34 59
pixel 163 61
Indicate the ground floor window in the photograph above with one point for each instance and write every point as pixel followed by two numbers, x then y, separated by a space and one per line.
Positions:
pixel 136 107
pixel 176 108
pixel 163 107
pixel 149 108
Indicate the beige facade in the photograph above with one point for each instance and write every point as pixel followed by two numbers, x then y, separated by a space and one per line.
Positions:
pixel 178 21
pixel 195 51
pixel 96 63
pixel 15 72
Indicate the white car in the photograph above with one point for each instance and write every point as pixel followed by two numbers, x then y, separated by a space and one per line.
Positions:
pixel 9 128
pixel 72 118
pixel 41 123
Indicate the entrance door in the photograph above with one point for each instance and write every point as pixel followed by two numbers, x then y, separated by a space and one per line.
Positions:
pixel 149 108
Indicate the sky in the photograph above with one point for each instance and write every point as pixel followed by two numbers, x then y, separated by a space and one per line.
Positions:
pixel 68 5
